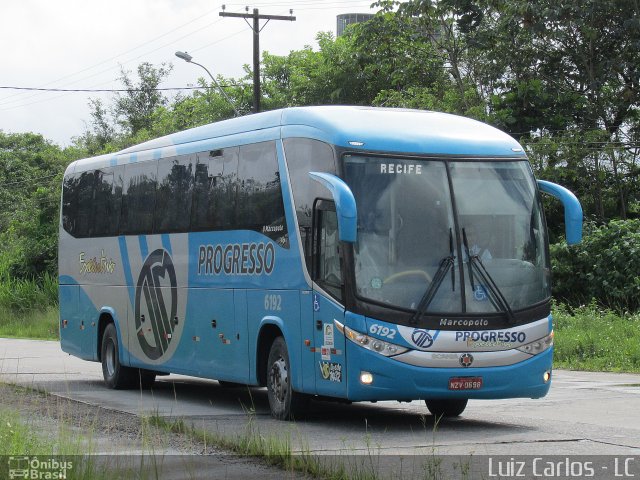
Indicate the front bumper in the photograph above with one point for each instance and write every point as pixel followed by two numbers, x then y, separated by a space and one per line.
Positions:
pixel 394 380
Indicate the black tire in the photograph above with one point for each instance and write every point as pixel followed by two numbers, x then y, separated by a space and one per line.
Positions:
pixel 452 407
pixel 285 404
pixel 116 375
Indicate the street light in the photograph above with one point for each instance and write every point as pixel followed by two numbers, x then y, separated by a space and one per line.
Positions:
pixel 189 59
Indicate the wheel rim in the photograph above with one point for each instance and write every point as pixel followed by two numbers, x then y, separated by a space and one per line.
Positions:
pixel 110 359
pixel 279 379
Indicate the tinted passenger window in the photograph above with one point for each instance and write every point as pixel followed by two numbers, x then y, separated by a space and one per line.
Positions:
pixel 138 198
pixel 304 156
pixel 173 195
pixel 215 188
pixel 84 199
pixel 69 203
pixel 260 206
pixel 107 202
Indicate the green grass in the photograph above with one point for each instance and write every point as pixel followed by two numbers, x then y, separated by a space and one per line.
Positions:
pixel 594 339
pixel 274 449
pixel 18 438
pixel 38 324
pixel 347 464
pixel 64 436
pixel 22 295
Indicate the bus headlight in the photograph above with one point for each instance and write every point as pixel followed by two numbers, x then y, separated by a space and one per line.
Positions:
pixel 538 346
pixel 374 344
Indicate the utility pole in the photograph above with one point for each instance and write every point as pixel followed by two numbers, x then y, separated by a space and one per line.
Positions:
pixel 256 44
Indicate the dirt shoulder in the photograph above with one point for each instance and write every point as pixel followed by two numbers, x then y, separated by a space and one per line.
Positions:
pixel 98 431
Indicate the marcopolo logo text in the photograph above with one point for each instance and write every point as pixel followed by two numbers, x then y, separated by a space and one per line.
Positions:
pixel 464 322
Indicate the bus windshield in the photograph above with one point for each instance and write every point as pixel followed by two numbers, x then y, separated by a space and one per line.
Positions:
pixel 448 237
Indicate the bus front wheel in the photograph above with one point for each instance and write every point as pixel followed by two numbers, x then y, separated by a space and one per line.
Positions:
pixel 116 375
pixel 452 407
pixel 284 402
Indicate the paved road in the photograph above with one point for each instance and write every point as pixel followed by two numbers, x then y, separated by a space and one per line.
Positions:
pixel 584 414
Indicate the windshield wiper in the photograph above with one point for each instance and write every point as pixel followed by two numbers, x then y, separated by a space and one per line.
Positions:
pixel 496 297
pixel 446 264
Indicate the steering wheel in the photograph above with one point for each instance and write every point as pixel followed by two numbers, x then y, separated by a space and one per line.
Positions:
pixel 407 273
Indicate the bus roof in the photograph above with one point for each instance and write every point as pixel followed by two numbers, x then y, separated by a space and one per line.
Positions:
pixel 358 128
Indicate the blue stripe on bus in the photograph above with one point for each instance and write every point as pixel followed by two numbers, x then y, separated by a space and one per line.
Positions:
pixel 166 242
pixel 126 266
pixel 144 247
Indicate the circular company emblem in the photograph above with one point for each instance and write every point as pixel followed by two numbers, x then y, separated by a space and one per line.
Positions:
pixel 422 338
pixel 466 359
pixel 157 296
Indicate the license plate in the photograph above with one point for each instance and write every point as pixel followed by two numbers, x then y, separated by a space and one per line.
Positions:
pixel 465 383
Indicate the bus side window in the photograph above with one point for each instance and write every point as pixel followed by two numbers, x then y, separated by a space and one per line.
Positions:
pixel 173 195
pixel 84 213
pixel 138 198
pixel 70 203
pixel 306 155
pixel 328 265
pixel 107 202
pixel 214 190
pixel 260 206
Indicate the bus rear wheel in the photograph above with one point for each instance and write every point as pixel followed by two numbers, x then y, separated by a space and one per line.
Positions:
pixel 284 402
pixel 116 375
pixel 452 407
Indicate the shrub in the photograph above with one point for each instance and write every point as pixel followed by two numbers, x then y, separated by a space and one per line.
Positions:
pixel 605 266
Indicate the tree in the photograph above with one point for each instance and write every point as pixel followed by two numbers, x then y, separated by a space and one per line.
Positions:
pixel 134 110
pixel 548 69
pixel 30 177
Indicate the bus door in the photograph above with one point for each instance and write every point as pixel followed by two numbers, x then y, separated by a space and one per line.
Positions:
pixel 330 364
pixel 222 348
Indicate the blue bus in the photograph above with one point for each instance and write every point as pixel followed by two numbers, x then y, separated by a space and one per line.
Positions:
pixel 331 252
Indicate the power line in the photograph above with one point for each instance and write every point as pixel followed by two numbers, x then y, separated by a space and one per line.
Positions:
pixel 4 108
pixel 68 91
pixel 6 101
pixel 106 89
pixel 123 53
pixel 145 54
pixel 30 180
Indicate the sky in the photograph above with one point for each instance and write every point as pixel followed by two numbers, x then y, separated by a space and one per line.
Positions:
pixel 83 44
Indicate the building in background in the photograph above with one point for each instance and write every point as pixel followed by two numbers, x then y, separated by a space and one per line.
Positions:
pixel 348 18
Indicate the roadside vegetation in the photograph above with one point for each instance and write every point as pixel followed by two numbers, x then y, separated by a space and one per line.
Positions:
pixel 591 338
pixel 275 449
pixel 95 443
pixel 561 78
pixel 19 438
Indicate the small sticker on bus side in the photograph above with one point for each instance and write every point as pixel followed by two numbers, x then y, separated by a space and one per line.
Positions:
pixel 331 371
pixel 328 334
pixel 325 353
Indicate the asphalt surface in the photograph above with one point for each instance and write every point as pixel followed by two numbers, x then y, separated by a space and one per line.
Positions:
pixel 584 414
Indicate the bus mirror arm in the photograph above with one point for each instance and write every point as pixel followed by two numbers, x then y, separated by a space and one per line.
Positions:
pixel 572 209
pixel 345 204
